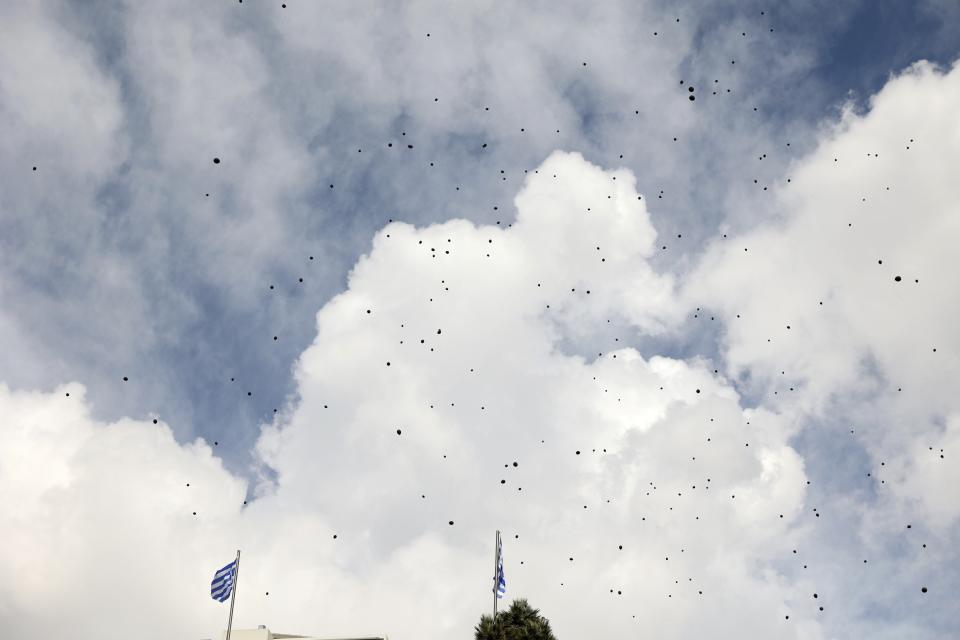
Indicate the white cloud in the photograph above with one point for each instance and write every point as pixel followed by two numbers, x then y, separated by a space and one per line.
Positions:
pixel 123 108
pixel 278 95
pixel 687 481
pixel 813 301
pixel 99 534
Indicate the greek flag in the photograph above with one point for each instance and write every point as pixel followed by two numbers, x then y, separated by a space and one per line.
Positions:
pixel 222 584
pixel 500 582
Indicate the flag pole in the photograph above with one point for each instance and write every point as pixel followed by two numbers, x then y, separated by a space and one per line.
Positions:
pixel 233 594
pixel 496 572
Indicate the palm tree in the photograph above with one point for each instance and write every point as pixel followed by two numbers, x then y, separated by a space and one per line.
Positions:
pixel 519 622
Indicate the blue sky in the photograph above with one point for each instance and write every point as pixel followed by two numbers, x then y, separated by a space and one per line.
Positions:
pixel 179 287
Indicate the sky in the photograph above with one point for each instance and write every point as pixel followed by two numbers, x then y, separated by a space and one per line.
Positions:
pixel 663 291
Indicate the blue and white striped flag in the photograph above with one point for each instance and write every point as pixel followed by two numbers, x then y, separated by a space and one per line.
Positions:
pixel 500 582
pixel 222 585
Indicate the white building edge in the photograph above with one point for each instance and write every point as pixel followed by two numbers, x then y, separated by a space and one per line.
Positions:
pixel 265 634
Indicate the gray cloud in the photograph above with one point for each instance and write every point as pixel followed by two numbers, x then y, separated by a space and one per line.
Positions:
pixel 286 98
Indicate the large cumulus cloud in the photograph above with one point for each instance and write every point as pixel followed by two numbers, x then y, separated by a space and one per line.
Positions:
pixel 651 454
pixel 123 105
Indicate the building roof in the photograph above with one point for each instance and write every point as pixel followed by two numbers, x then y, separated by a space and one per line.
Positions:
pixel 264 633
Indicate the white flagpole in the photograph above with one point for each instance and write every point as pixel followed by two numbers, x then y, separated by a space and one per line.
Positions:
pixel 233 594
